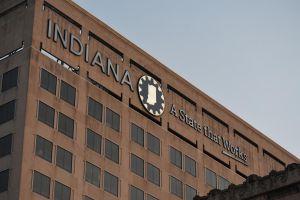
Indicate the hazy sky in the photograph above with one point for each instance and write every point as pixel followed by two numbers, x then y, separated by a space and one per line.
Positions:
pixel 243 53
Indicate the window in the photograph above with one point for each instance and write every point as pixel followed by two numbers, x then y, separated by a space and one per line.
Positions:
pixel 176 157
pixel 5 145
pixel 190 192
pixel 66 125
pixel 95 109
pixel 87 198
pixel 92 174
pixel 43 148
pixel 41 184
pixel 176 187
pixel 112 119
pixel 137 134
pixel 111 183
pixel 190 165
pixel 64 159
pixel 10 79
pixel 4 176
pixel 150 197
pixel 136 193
pixel 223 183
pixel 137 165
pixel 211 178
pixel 153 174
pixel 61 192
pixel 48 81
pixel 7 112
pixel 94 141
pixel 67 93
pixel 46 114
pixel 153 144
pixel 112 151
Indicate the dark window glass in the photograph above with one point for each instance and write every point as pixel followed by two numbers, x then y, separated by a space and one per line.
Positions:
pixel 62 192
pixel 190 165
pixel 46 114
pixel 150 197
pixel 211 178
pixel 111 183
pixel 67 93
pixel 137 134
pixel 92 174
pixel 153 144
pixel 112 151
pixel 87 198
pixel 94 141
pixel 176 157
pixel 5 145
pixel 137 165
pixel 176 187
pixel 41 184
pixel 190 192
pixel 223 183
pixel 4 176
pixel 10 79
pixel 112 119
pixel 153 174
pixel 48 81
pixel 7 112
pixel 95 109
pixel 66 125
pixel 136 193
pixel 64 159
pixel 43 148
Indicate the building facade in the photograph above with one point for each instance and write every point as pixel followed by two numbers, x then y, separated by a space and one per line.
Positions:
pixel 86 114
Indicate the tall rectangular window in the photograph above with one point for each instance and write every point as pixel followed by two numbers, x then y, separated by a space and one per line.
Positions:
pixel 153 174
pixel 41 184
pixel 111 183
pixel 4 177
pixel 211 178
pixel 92 174
pixel 10 79
pixel 176 187
pixel 46 114
pixel 176 157
pixel 111 151
pixel 190 165
pixel 61 191
pixel 153 144
pixel 137 134
pixel 67 93
pixel 190 192
pixel 64 159
pixel 112 119
pixel 137 165
pixel 223 183
pixel 150 197
pixel 7 112
pixel 5 145
pixel 94 141
pixel 136 193
pixel 66 125
pixel 95 109
pixel 43 148
pixel 48 81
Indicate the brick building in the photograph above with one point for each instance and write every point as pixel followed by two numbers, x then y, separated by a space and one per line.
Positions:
pixel 86 114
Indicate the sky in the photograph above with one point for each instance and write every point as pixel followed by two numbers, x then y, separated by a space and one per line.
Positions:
pixel 245 54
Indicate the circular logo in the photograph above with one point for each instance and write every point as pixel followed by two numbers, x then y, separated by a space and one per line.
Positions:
pixel 151 95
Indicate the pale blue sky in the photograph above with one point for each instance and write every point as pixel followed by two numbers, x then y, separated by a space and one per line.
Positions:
pixel 243 53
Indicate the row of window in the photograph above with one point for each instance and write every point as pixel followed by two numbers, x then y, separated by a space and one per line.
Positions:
pixel 42 186
pixel 215 181
pixel 9 79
